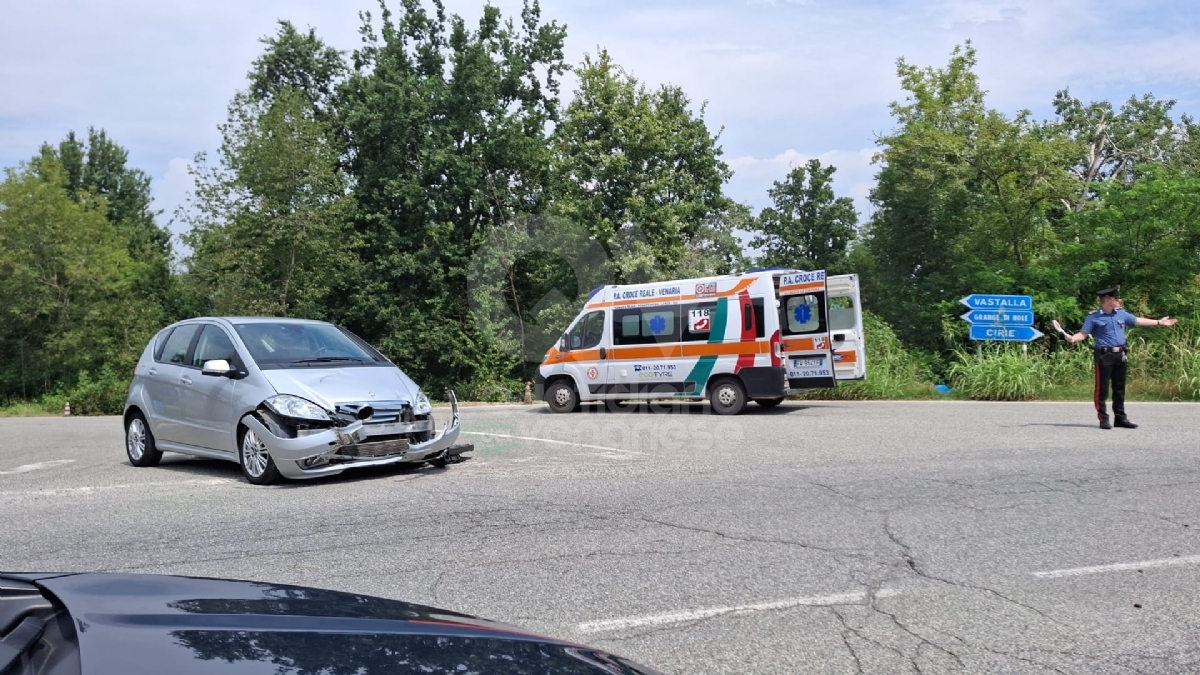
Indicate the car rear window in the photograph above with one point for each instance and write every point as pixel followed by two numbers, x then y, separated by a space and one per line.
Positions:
pixel 176 347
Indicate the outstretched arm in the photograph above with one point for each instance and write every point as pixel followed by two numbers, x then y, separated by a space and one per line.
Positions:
pixel 1166 321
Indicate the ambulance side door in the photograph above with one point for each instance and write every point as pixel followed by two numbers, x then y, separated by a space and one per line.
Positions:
pixel 846 328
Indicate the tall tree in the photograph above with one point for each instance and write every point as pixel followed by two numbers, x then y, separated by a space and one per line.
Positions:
pixel 269 222
pixel 1113 141
pixel 808 226
pixel 640 170
pixel 966 198
pixel 99 168
pixel 446 129
pixel 67 302
pixel 1145 236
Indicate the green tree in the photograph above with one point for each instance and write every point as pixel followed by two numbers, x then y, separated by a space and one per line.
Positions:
pixel 1146 237
pixel 446 132
pixel 808 227
pixel 67 302
pixel 1113 141
pixel 967 201
pixel 643 173
pixel 100 167
pixel 269 231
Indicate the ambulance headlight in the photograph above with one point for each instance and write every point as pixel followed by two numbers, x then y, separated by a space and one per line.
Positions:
pixel 422 406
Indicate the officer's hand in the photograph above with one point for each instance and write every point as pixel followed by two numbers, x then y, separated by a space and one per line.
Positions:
pixel 1168 321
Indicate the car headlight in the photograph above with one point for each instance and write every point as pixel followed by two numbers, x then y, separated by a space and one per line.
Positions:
pixel 296 408
pixel 422 405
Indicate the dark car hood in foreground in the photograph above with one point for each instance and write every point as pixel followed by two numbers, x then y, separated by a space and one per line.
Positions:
pixel 130 623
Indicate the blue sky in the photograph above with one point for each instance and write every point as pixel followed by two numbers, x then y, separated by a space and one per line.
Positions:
pixel 787 79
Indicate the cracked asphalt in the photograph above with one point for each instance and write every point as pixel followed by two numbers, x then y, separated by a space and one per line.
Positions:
pixel 813 538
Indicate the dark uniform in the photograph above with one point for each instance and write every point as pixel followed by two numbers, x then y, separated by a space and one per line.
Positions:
pixel 1111 358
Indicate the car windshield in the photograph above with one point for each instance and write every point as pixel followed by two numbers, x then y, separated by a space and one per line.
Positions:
pixel 301 345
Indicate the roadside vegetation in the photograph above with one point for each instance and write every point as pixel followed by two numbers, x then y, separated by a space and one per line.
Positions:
pixel 372 188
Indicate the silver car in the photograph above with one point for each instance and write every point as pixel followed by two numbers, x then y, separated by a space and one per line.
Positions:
pixel 281 397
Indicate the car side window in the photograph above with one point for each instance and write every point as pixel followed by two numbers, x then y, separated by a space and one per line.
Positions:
pixel 176 348
pixel 214 345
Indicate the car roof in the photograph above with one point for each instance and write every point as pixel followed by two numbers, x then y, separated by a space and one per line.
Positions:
pixel 253 319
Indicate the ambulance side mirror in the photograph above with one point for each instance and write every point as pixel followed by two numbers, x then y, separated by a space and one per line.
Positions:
pixel 562 344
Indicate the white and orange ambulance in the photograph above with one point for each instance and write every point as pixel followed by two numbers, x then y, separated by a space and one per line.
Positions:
pixel 715 338
pixel 723 338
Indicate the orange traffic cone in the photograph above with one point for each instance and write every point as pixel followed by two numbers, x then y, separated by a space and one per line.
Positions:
pixel 67 410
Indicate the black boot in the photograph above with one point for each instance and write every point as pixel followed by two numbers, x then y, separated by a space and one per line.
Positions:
pixel 1104 422
pixel 1123 422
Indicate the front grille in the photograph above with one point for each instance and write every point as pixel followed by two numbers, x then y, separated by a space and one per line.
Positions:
pixel 389 445
pixel 386 412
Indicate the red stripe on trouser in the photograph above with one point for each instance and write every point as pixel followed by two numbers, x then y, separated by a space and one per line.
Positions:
pixel 1096 395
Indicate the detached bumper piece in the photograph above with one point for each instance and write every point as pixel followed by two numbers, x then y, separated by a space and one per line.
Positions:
pixel 358 445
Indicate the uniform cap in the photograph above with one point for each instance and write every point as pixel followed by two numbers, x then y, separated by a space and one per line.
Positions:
pixel 1115 292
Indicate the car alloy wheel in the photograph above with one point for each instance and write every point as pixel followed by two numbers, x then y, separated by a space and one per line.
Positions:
pixel 139 441
pixel 135 439
pixel 257 465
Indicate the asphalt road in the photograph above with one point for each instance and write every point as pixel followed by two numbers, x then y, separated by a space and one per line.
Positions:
pixel 823 538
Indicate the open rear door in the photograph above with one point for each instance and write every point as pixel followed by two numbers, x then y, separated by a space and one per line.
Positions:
pixel 846 328
pixel 804 324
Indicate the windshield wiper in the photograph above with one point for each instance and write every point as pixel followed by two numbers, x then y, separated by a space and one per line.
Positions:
pixel 330 359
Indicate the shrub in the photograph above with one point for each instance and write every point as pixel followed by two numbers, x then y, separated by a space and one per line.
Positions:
pixel 893 372
pixel 1002 373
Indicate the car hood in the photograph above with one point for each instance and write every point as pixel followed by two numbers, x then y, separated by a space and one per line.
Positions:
pixel 133 623
pixel 351 384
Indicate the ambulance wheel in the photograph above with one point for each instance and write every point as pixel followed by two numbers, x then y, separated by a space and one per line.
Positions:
pixel 562 397
pixel 727 396
pixel 768 402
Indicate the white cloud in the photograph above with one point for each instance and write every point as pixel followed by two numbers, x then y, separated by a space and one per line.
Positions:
pixel 854 177
pixel 781 77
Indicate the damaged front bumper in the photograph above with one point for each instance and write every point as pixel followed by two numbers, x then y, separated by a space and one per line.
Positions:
pixel 324 453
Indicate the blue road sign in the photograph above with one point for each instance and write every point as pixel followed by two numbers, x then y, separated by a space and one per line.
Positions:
pixel 997 302
pixel 999 317
pixel 1007 333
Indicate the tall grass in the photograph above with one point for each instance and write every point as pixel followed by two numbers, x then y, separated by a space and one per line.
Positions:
pixel 1002 373
pixel 1164 368
pixel 893 372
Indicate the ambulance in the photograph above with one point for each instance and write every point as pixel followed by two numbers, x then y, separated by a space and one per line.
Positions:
pixel 755 336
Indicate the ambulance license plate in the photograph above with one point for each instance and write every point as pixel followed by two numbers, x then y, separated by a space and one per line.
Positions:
pixel 808 363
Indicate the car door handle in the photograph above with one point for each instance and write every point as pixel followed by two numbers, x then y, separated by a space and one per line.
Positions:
pixel 603 353
pixel 185 380
pixel 153 371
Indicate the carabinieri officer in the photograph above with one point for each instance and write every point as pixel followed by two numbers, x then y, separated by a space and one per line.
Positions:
pixel 1107 325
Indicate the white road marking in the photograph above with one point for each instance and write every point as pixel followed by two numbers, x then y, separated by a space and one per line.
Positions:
pixel 25 468
pixel 97 488
pixel 855 598
pixel 1118 567
pixel 547 440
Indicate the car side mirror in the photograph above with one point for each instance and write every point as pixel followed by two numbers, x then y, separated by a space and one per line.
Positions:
pixel 217 368
pixel 562 344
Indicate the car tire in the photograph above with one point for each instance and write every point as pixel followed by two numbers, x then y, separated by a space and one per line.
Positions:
pixel 769 402
pixel 139 442
pixel 562 397
pixel 255 460
pixel 727 396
